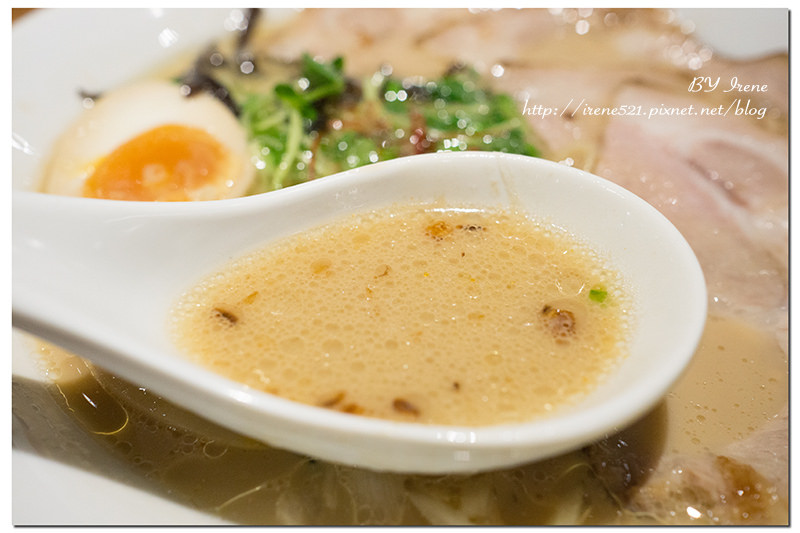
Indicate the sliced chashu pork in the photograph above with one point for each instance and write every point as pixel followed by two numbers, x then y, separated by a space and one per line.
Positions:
pixel 723 181
pixel 424 41
pixel 746 482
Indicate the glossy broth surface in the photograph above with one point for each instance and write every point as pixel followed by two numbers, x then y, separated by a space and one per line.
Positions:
pixel 418 313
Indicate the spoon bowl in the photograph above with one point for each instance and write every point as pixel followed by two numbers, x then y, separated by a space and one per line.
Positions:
pixel 99 277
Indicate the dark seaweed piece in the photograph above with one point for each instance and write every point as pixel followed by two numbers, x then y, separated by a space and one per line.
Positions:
pixel 455 68
pixel 251 17
pixel 349 97
pixel 197 81
pixel 418 93
pixel 320 120
pixel 352 93
pixel 87 95
pixel 210 59
pixel 244 57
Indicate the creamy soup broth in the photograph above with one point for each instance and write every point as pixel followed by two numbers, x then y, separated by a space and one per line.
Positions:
pixel 416 313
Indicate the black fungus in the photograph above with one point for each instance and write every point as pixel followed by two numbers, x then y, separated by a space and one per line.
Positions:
pixel 196 81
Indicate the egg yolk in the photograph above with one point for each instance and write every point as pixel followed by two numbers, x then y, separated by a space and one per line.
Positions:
pixel 167 163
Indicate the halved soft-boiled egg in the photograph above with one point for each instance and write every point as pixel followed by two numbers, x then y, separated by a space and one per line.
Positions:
pixel 149 142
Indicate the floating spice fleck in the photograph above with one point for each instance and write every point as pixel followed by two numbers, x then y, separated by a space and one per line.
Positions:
pixel 404 406
pixel 333 400
pixel 353 409
pixel 226 315
pixel 438 230
pixel 471 227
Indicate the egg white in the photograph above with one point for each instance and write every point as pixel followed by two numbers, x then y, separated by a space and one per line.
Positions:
pixel 127 112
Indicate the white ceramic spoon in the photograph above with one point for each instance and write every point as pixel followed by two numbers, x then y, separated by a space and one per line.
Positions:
pixel 99 278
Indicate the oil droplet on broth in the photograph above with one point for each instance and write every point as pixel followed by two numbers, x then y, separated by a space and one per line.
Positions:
pixel 97 410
